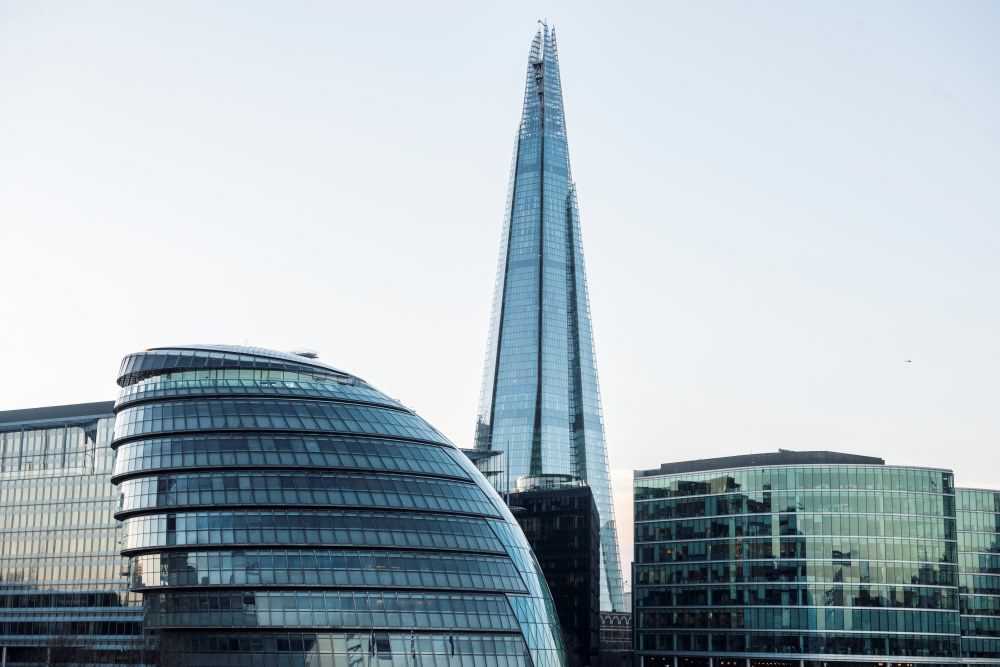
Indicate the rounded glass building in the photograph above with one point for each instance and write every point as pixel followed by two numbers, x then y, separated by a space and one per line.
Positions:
pixel 278 511
pixel 795 558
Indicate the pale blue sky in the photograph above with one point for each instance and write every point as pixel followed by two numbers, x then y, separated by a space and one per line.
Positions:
pixel 781 203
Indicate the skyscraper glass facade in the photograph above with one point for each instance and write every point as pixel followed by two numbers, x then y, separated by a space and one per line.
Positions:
pixel 796 556
pixel 540 401
pixel 979 578
pixel 63 584
pixel 278 511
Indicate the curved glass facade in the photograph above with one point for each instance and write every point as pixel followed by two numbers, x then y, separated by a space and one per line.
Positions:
pixel 278 511
pixel 818 562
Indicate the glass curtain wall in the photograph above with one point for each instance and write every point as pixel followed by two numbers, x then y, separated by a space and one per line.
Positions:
pixel 979 578
pixel 797 562
pixel 540 403
pixel 278 511
pixel 63 584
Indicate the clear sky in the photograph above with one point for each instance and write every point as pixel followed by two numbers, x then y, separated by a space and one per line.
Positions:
pixel 781 204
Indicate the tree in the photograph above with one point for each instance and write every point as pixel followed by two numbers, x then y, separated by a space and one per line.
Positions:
pixel 67 650
pixel 159 650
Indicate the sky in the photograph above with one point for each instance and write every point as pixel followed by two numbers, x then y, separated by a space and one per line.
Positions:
pixel 790 210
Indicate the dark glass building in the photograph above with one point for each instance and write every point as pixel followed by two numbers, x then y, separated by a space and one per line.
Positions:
pixel 559 518
pixel 979 574
pixel 795 558
pixel 278 511
pixel 63 584
pixel 540 401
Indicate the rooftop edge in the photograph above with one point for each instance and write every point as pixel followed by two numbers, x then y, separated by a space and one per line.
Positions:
pixel 781 457
pixel 58 412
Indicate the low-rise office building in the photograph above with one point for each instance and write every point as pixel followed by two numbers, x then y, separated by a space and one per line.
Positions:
pixel 63 584
pixel 979 573
pixel 798 558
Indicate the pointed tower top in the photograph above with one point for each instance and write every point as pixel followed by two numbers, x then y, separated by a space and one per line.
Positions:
pixel 537 48
pixel 545 39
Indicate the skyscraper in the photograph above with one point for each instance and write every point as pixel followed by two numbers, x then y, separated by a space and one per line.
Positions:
pixel 540 401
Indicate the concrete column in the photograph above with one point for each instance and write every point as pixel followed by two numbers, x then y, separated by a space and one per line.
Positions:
pixel 711 663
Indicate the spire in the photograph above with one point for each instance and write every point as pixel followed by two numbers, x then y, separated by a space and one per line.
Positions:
pixel 540 400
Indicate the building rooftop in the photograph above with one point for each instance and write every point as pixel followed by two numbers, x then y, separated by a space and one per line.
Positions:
pixel 305 357
pixel 166 359
pixel 782 457
pixel 477 455
pixel 58 412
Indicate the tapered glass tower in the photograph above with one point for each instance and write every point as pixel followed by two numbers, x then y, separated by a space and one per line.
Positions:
pixel 540 402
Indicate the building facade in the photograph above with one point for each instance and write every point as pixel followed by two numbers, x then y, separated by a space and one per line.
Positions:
pixel 558 516
pixel 795 558
pixel 979 573
pixel 278 511
pixel 540 401
pixel 616 639
pixel 63 584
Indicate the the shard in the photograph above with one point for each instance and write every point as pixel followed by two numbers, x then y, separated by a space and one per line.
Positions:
pixel 540 401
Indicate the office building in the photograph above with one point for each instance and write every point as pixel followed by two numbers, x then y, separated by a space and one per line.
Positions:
pixel 63 584
pixel 540 403
pixel 278 511
pixel 558 516
pixel 979 574
pixel 616 639
pixel 796 558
